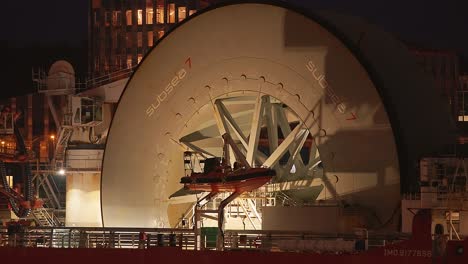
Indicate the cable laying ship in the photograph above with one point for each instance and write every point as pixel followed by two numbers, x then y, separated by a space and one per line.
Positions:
pixel 319 73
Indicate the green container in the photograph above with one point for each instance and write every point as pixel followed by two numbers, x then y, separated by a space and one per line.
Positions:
pixel 210 235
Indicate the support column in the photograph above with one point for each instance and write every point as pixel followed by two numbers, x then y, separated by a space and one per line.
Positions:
pixel 45 143
pixel 29 127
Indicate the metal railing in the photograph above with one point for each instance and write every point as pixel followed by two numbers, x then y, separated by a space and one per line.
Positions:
pixel 107 78
pixel 63 237
pixel 190 239
pixel 40 78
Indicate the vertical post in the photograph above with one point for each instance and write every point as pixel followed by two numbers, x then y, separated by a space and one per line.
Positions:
pixel 451 225
pixel 51 239
pixel 45 140
pixel 69 237
pixel 195 228
pixel 30 121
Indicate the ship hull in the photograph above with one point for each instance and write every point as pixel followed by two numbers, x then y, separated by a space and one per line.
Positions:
pixel 177 255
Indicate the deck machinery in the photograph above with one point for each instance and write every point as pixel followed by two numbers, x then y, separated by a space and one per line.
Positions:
pixel 325 100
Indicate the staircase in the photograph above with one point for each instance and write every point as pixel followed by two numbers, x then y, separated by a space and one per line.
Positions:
pixel 50 194
pixel 286 200
pixel 250 210
pixel 60 149
pixel 239 214
pixel 187 220
pixel 242 213
pixel 44 217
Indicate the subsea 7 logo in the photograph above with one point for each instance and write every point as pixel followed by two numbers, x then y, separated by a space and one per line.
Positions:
pixel 161 97
pixel 328 89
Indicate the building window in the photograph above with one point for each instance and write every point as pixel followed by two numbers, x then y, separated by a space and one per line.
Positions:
pixel 96 64
pixel 107 18
pixel 118 41
pixel 129 39
pixel 129 61
pixel 128 15
pixel 96 17
pixel 139 39
pixel 182 11
pixel 171 13
pixel 149 16
pixel 160 34
pixel 140 17
pixel 117 63
pixel 192 11
pixel 116 18
pixel 115 39
pixel 106 66
pixel 462 106
pixel 140 57
pixel 150 38
pixel 160 14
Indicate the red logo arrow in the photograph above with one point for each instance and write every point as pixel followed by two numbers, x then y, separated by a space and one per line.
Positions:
pixel 189 62
pixel 354 117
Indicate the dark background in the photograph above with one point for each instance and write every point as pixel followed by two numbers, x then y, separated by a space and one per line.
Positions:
pixel 35 33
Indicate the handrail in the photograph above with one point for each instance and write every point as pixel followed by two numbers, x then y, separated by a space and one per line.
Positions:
pixel 40 78
pixel 90 237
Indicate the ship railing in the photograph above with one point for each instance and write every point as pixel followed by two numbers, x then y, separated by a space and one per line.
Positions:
pixel 299 241
pixel 64 237
pixel 189 239
pixel 109 77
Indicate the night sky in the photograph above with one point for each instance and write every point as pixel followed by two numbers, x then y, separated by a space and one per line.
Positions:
pixel 35 33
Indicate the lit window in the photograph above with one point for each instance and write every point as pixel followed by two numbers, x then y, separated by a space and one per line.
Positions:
pixel 149 16
pixel 129 39
pixel 117 63
pixel 115 42
pixel 140 17
pixel 150 38
pixel 192 11
pixel 106 66
pixel 182 13
pixel 160 14
pixel 96 17
pixel 139 39
pixel 107 18
pixel 128 15
pixel 116 18
pixel 160 34
pixel 171 13
pixel 140 57
pixel 462 106
pixel 129 61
